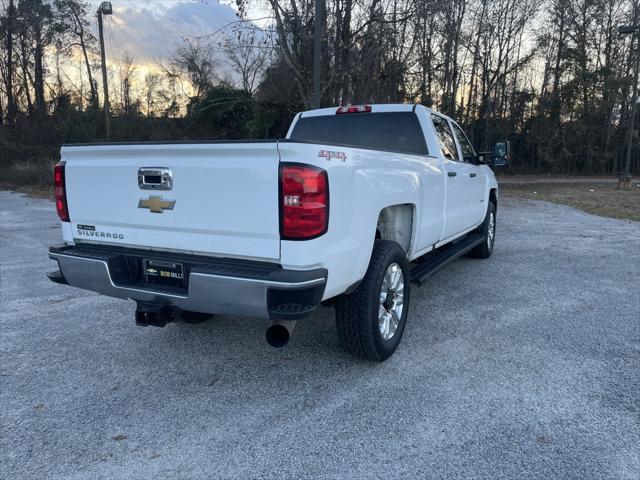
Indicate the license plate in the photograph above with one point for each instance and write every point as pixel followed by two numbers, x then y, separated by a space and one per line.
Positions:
pixel 164 273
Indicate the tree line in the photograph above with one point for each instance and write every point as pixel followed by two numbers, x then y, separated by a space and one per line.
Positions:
pixel 554 77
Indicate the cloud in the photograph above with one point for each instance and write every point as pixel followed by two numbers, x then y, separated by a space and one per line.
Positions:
pixel 151 30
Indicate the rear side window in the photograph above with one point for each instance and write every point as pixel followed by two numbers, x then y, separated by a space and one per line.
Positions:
pixel 391 131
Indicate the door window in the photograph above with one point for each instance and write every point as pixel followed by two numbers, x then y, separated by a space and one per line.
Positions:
pixel 468 154
pixel 445 138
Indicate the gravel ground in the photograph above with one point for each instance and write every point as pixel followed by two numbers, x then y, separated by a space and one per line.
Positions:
pixel 525 365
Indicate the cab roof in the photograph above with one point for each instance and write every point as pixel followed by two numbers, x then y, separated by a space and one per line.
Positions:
pixel 375 108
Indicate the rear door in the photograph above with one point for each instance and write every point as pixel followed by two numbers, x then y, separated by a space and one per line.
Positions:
pixel 208 198
pixel 459 214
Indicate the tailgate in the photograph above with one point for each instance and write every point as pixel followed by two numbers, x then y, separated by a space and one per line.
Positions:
pixel 225 194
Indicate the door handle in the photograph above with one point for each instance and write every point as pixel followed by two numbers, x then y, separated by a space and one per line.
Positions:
pixel 452 174
pixel 472 175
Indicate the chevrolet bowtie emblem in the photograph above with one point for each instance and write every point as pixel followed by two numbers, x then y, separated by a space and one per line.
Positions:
pixel 156 204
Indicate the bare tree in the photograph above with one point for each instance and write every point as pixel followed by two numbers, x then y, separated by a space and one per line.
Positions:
pixel 248 53
pixel 195 59
pixel 39 27
pixel 74 14
pixel 126 71
pixel 153 91
pixel 9 32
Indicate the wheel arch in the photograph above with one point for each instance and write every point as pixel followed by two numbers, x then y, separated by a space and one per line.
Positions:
pixel 493 197
pixel 396 223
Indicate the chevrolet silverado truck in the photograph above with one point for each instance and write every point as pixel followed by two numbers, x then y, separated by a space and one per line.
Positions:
pixel 354 205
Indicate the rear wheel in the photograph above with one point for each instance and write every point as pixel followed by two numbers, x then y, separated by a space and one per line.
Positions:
pixel 488 231
pixel 371 320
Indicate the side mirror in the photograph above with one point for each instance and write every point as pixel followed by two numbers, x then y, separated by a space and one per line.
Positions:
pixel 501 153
pixel 483 158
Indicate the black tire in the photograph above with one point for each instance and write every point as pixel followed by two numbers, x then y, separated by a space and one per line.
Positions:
pixel 357 314
pixel 193 318
pixel 485 249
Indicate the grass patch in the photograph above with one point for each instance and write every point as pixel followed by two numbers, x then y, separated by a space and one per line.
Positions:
pixel 34 178
pixel 597 198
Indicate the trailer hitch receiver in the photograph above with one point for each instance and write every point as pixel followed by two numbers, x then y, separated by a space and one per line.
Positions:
pixel 149 314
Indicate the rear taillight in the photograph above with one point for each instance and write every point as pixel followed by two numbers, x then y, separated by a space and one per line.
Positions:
pixel 61 194
pixel 354 109
pixel 304 201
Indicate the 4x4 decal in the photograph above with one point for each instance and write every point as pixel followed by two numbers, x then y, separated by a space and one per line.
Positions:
pixel 328 154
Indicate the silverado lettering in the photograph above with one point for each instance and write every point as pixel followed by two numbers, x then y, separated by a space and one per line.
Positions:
pixel 93 233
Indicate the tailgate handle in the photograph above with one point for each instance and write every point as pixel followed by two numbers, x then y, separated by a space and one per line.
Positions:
pixel 155 178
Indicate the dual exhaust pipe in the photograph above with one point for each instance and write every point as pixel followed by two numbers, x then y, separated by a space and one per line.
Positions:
pixel 277 335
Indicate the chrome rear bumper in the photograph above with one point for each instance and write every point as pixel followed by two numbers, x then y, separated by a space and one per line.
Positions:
pixel 215 286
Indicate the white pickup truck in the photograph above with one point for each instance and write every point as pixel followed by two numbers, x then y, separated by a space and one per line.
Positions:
pixel 332 214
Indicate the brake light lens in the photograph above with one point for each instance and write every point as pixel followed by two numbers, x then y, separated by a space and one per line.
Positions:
pixel 304 197
pixel 60 192
pixel 354 109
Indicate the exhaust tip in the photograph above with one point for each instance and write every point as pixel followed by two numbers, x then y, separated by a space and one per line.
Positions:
pixel 279 334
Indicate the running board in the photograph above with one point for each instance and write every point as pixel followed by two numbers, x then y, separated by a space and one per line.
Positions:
pixel 437 260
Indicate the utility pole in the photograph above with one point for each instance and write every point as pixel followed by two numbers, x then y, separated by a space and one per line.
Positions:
pixel 318 24
pixel 624 183
pixel 104 9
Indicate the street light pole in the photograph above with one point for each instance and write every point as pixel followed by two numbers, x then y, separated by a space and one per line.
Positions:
pixel 104 9
pixel 624 183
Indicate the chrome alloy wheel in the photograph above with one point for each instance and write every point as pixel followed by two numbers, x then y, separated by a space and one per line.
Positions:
pixel 491 232
pixel 391 301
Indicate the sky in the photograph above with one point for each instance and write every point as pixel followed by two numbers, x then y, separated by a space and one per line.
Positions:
pixel 150 30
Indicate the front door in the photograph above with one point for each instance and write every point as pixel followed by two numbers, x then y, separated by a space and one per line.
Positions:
pixel 477 177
